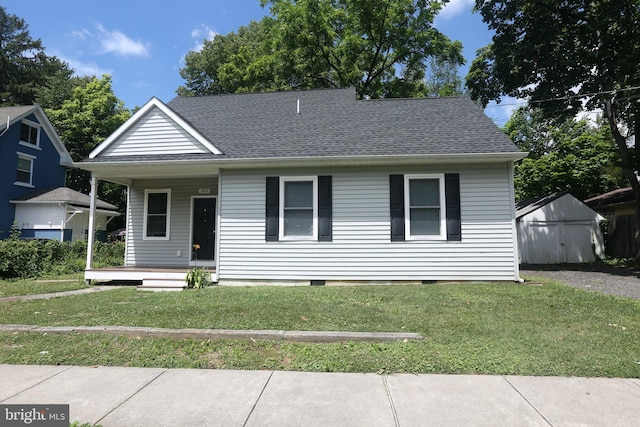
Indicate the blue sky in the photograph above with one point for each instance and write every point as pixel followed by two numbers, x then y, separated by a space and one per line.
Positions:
pixel 141 44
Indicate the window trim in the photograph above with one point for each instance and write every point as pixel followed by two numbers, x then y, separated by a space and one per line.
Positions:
pixel 34 125
pixel 31 160
pixel 314 229
pixel 443 207
pixel 167 236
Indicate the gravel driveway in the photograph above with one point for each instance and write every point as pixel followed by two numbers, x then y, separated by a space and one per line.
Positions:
pixel 609 280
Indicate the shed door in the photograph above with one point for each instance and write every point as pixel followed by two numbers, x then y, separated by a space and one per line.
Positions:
pixel 203 229
pixel 545 245
pixel 577 243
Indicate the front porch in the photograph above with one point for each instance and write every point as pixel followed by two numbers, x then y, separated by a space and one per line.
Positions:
pixel 150 278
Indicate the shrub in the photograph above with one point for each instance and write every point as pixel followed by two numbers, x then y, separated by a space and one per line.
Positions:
pixel 198 278
pixel 29 258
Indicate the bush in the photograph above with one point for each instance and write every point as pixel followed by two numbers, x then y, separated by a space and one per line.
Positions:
pixel 30 258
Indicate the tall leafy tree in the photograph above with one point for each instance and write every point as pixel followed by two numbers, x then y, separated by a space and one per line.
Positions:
pixel 572 155
pixel 24 66
pixel 382 48
pixel 565 56
pixel 83 121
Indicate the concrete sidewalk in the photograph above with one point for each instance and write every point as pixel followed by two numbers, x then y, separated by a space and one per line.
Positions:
pixel 115 396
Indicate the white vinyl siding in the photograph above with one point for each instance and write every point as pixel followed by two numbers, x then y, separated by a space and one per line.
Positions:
pixel 39 216
pixel 361 248
pixel 155 133
pixel 164 253
pixel 51 216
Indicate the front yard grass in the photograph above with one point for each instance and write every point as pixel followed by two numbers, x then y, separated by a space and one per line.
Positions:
pixel 468 328
pixel 43 285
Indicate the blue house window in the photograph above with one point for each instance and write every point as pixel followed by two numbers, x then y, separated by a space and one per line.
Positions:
pixel 30 134
pixel 24 170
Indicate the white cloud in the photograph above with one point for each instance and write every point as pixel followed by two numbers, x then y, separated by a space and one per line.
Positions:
pixel 455 7
pixel 85 68
pixel 82 34
pixel 114 41
pixel 202 33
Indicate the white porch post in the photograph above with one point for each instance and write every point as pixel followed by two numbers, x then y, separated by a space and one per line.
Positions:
pixel 92 221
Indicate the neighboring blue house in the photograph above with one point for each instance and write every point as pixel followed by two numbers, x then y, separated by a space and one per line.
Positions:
pixel 32 157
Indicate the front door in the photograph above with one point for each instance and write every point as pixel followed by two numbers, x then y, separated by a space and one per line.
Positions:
pixel 203 229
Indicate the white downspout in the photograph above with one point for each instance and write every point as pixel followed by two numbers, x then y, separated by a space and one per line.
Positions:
pixel 92 221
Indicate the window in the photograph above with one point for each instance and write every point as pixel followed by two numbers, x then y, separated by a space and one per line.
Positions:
pixel 298 208
pixel 424 203
pixel 24 170
pixel 425 207
pixel 29 134
pixel 157 214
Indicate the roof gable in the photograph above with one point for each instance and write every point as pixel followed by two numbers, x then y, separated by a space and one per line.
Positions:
pixel 154 130
pixel 12 115
pixel 562 206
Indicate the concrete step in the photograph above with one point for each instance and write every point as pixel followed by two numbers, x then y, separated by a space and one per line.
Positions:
pixel 162 285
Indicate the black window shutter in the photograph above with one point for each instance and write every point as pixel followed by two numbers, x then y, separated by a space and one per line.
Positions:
pixel 272 208
pixel 452 194
pixel 396 202
pixel 325 209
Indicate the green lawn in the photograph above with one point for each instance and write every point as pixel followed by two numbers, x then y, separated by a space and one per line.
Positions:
pixel 43 285
pixel 468 328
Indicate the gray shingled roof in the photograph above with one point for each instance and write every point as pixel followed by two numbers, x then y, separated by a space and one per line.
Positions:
pixel 63 195
pixel 10 113
pixel 333 123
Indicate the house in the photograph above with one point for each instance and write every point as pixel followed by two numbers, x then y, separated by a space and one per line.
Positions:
pixel 314 186
pixel 558 228
pixel 31 157
pixel 618 207
pixel 61 214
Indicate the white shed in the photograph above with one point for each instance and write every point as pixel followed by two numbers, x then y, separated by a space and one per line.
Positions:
pixel 558 228
pixel 60 214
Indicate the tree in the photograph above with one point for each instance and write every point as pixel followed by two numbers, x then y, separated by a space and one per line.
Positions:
pixel 565 56
pixel 23 64
pixel 571 156
pixel 380 47
pixel 83 121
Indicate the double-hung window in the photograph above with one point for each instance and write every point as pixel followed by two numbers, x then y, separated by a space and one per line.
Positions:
pixel 157 210
pixel 298 208
pixel 30 134
pixel 425 205
pixel 24 170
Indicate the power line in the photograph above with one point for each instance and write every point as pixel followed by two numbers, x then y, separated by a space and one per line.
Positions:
pixel 584 95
